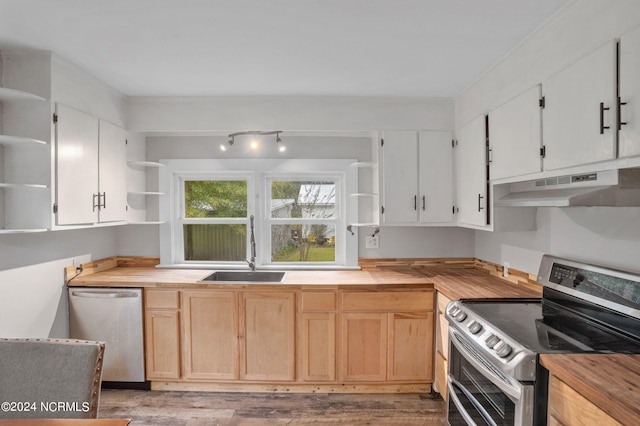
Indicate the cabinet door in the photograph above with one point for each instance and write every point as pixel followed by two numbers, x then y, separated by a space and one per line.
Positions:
pixel 515 136
pixel 210 327
pixel 112 170
pixel 400 177
pixel 267 322
pixel 162 342
pixel 471 174
pixel 580 111
pixel 410 346
pixel 318 346
pixel 364 347
pixel 629 136
pixel 436 177
pixel 76 167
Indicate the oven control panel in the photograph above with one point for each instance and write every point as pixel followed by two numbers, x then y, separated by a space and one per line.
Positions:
pixel 560 273
pixel 505 353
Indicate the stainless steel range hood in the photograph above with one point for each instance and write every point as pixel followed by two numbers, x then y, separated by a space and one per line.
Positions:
pixel 619 188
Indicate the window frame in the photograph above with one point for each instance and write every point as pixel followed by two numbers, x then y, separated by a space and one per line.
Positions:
pixel 182 220
pixel 171 205
pixel 338 220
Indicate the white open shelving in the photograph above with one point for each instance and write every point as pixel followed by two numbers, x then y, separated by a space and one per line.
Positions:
pixel 24 193
pixel 368 201
pixel 137 199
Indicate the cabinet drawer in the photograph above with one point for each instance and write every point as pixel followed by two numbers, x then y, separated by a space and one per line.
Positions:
pixel 318 301
pixel 162 299
pixel 387 301
pixel 568 407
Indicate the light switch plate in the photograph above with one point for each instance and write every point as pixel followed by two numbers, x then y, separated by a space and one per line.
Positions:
pixel 372 242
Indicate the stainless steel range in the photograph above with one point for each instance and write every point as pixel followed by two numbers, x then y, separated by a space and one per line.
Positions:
pixel 494 374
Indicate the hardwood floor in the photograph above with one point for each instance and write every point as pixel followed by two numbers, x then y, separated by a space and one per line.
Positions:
pixel 208 408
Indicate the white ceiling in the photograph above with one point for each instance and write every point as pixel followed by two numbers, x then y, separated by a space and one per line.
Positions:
pixel 419 48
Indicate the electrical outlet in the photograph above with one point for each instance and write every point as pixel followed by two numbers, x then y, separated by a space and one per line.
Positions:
pixel 372 242
pixel 505 270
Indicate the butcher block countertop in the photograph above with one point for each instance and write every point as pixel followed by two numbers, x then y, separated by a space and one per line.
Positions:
pixel 476 284
pixel 189 278
pixel 611 382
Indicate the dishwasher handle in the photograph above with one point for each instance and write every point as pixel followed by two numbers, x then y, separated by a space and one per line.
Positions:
pixel 104 294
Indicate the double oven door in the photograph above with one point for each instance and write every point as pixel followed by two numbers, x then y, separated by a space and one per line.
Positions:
pixel 480 394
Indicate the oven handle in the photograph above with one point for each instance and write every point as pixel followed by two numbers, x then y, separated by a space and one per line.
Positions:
pixel 507 388
pixel 453 385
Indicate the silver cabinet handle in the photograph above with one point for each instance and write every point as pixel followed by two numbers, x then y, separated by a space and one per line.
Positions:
pixel 424 203
pixel 104 294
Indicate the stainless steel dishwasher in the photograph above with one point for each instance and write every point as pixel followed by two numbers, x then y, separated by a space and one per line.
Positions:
pixel 113 316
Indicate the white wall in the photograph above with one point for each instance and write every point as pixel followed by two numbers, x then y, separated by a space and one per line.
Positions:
pixel 394 241
pixel 600 235
pixel 33 301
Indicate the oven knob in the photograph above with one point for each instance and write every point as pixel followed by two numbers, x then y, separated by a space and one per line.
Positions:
pixel 492 340
pixel 502 349
pixel 458 314
pixel 475 327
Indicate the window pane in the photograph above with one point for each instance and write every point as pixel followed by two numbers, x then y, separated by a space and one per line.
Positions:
pixel 303 199
pixel 303 243
pixel 215 242
pixel 215 198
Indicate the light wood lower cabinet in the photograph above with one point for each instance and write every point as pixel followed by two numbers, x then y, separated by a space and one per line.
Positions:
pixel 442 346
pixel 410 346
pixel 569 408
pixel 317 336
pixel 391 342
pixel 364 347
pixel 303 337
pixel 162 334
pixel 267 323
pixel 210 330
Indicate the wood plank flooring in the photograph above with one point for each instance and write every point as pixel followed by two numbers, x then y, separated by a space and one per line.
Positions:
pixel 211 408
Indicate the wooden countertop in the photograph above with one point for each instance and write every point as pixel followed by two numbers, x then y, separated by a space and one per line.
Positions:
pixel 467 283
pixel 611 382
pixel 189 278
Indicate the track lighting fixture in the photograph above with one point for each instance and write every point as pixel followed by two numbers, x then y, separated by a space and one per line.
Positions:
pixel 254 142
pixel 223 147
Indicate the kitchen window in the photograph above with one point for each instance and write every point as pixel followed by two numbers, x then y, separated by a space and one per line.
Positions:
pixel 300 209
pixel 214 220
pixel 303 217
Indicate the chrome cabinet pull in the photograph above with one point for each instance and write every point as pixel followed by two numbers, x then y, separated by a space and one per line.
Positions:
pixel 96 206
pixel 602 110
pixel 620 122
pixel 480 197
pixel 424 203
pixel 415 202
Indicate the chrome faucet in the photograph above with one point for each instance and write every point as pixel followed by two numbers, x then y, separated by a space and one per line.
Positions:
pixel 252 261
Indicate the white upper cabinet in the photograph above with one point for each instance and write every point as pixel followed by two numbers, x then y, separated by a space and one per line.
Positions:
pixel 90 169
pixel 417 178
pixel 579 116
pixel 112 171
pixel 76 167
pixel 400 177
pixel 471 174
pixel 629 102
pixel 436 177
pixel 515 136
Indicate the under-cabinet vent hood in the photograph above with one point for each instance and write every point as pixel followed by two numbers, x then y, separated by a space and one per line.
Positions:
pixel 620 188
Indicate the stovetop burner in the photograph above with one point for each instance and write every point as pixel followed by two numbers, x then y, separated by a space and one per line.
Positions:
pixel 543 326
pixel 584 309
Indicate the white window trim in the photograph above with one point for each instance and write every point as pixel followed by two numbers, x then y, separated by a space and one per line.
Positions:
pixel 171 254
pixel 339 220
pixel 181 220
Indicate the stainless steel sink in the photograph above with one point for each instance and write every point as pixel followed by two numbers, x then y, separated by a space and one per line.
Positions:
pixel 246 276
